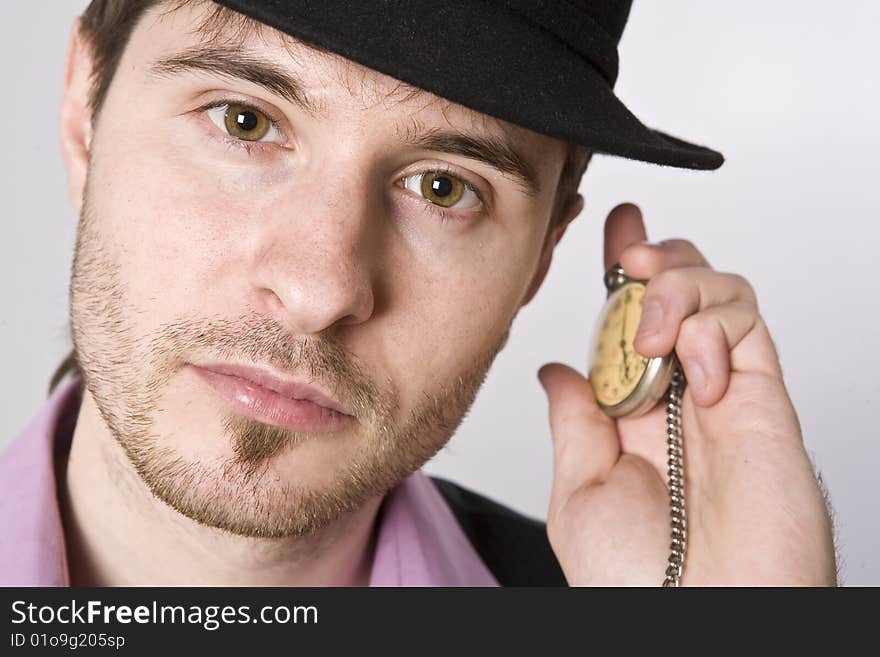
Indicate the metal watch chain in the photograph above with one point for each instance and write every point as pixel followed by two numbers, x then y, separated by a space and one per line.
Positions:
pixel 675 451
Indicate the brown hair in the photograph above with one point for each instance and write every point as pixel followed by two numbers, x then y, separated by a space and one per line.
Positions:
pixel 107 26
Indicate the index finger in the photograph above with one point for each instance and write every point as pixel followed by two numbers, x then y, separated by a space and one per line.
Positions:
pixel 624 226
pixel 645 260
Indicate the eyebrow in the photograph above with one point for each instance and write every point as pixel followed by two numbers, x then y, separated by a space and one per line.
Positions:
pixel 494 151
pixel 230 63
pixel 497 152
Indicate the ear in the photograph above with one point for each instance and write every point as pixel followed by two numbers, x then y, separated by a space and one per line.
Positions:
pixel 547 256
pixel 76 116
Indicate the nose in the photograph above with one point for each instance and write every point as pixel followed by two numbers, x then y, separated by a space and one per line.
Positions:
pixel 314 261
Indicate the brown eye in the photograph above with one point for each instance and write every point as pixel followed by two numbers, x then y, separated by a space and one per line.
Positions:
pixel 442 188
pixel 246 123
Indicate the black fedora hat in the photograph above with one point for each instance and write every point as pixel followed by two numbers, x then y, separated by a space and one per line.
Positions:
pixel 549 66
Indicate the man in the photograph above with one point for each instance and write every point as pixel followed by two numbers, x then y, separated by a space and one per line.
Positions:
pixel 304 235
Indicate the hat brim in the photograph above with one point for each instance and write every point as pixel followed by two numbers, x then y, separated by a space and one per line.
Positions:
pixel 486 59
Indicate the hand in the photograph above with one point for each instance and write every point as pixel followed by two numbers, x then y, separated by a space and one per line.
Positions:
pixel 755 512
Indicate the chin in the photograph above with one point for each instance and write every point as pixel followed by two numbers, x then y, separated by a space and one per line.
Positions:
pixel 294 491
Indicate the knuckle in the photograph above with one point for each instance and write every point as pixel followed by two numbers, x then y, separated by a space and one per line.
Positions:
pixel 669 280
pixel 745 308
pixel 671 286
pixel 694 332
pixel 688 251
pixel 679 243
pixel 743 284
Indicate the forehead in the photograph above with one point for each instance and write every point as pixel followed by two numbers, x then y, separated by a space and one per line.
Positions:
pixel 175 25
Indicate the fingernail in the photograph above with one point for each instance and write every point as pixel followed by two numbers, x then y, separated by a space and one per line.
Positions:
pixel 696 376
pixel 652 315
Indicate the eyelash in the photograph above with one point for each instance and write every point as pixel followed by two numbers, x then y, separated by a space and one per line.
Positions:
pixel 248 147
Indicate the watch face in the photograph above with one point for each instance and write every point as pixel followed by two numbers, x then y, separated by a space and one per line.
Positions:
pixel 615 366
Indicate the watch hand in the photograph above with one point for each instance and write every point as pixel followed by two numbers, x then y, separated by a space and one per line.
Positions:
pixel 623 345
pixel 625 364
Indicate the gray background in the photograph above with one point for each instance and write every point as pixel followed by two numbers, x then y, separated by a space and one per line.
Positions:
pixel 788 91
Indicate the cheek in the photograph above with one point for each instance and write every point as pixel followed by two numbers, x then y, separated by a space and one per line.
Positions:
pixel 451 314
pixel 177 214
pixel 175 229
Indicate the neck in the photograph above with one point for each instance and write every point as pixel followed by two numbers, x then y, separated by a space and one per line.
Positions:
pixel 118 534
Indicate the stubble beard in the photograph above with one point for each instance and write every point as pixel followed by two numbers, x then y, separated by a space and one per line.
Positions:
pixel 126 374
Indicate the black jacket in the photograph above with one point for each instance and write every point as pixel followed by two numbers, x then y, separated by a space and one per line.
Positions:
pixel 513 546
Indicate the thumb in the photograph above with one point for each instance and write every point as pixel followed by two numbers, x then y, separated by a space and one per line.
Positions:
pixel 585 441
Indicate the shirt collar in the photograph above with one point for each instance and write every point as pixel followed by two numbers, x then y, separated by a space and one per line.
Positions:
pixel 418 543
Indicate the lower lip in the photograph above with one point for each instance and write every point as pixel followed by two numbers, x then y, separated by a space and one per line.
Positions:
pixel 265 405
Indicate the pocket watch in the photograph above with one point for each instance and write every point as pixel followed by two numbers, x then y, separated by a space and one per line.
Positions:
pixel 627 384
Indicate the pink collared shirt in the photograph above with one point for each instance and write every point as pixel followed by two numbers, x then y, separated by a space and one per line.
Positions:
pixel 419 541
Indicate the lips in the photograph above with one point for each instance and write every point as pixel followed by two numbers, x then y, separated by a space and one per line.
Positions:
pixel 263 396
pixel 285 388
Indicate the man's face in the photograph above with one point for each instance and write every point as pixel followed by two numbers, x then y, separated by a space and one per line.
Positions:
pixel 320 252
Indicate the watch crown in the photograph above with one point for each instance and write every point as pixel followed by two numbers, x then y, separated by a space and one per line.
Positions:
pixel 615 277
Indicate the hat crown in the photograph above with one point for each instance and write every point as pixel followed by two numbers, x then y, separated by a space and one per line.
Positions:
pixel 592 28
pixel 611 15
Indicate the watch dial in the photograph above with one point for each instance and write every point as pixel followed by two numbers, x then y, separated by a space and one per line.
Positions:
pixel 615 366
